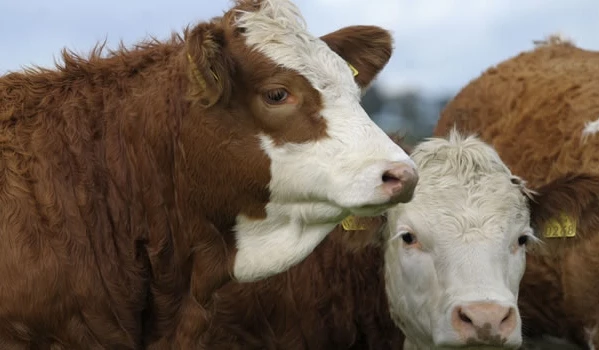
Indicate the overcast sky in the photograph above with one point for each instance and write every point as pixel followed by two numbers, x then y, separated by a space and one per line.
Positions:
pixel 439 44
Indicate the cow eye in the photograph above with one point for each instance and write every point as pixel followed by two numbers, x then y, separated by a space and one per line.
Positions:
pixel 408 238
pixel 522 240
pixel 276 96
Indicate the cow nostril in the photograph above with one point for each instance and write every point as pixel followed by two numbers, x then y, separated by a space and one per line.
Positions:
pixel 399 182
pixel 508 315
pixel 388 177
pixel 463 317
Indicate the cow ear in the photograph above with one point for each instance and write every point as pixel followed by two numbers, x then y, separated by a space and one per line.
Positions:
pixel 367 49
pixel 207 65
pixel 567 207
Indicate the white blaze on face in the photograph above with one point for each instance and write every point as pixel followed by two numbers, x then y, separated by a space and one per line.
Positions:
pixel 313 184
pixel 455 254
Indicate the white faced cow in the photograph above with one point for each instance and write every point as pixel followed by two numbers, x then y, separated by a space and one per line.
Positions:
pixel 456 253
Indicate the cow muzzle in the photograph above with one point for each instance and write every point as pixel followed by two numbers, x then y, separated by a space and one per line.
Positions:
pixel 399 181
pixel 484 324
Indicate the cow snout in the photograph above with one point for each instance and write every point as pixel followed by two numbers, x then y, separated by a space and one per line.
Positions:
pixel 484 323
pixel 399 182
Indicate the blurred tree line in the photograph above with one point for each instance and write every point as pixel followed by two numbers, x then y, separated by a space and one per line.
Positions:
pixel 410 113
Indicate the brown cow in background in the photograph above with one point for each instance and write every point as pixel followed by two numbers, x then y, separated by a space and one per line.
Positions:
pixel 540 110
pixel 133 185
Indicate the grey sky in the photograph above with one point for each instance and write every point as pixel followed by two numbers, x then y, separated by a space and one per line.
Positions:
pixel 440 44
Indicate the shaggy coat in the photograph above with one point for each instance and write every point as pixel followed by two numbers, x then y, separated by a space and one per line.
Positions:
pixel 122 177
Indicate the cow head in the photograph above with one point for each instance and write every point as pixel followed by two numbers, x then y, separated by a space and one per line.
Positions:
pixel 455 254
pixel 283 108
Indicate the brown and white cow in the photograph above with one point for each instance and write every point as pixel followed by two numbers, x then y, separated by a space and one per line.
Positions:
pixel 445 269
pixel 134 184
pixel 540 110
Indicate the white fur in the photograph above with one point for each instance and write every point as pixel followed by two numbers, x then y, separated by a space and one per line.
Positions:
pixel 289 233
pixel 557 38
pixel 313 185
pixel 591 333
pixel 467 215
pixel 590 129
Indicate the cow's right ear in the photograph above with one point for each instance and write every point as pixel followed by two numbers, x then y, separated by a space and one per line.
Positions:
pixel 208 66
pixel 367 50
pixel 567 208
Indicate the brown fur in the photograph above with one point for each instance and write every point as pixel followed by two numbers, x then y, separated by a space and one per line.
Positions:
pixel 334 299
pixel 532 108
pixel 121 176
pixel 370 51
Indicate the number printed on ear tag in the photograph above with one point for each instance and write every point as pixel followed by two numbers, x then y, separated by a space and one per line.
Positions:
pixel 562 226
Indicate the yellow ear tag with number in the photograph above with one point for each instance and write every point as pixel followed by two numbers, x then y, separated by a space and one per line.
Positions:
pixel 562 226
pixel 350 223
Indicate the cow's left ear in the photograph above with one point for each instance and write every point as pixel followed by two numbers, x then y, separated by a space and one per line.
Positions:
pixel 367 49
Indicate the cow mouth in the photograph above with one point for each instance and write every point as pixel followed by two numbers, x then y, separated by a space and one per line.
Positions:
pixel 379 208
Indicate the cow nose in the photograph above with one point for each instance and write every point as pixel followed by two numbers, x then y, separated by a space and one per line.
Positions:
pixel 399 182
pixel 484 323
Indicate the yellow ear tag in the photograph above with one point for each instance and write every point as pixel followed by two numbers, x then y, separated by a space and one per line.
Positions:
pixel 350 223
pixel 197 74
pixel 563 226
pixel 353 69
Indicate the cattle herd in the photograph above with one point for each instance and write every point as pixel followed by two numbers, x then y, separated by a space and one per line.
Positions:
pixel 225 189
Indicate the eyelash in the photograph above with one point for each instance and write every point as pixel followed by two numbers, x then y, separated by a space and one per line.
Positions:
pixel 276 96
